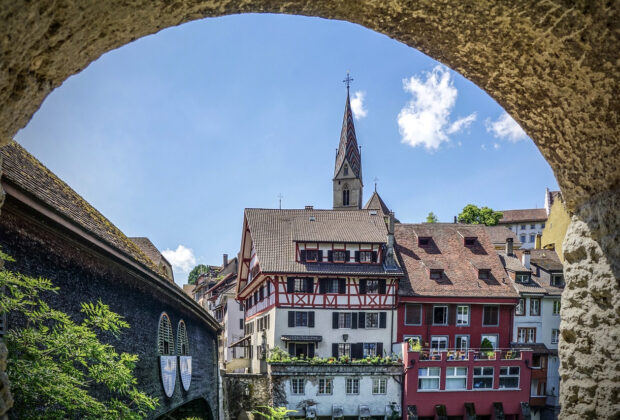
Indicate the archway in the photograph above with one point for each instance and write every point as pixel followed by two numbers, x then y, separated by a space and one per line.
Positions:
pixel 551 65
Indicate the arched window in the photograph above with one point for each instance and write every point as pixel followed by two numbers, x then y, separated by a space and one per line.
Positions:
pixel 165 338
pixel 345 195
pixel 182 342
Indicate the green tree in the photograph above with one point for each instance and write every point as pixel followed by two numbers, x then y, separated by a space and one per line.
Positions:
pixel 196 271
pixel 479 216
pixel 431 218
pixel 273 413
pixel 53 361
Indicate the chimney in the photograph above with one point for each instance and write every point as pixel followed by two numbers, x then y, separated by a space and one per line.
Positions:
pixel 508 246
pixel 225 260
pixel 455 220
pixel 538 241
pixel 525 260
pixel 309 207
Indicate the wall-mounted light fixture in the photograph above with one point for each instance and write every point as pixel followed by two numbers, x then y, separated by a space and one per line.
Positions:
pixel 345 337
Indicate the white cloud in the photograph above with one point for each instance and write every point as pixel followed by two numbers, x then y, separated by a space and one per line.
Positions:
pixel 357 105
pixel 182 259
pixel 506 127
pixel 425 120
pixel 483 146
pixel 496 146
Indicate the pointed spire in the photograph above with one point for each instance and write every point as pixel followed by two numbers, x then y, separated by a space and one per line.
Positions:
pixel 348 149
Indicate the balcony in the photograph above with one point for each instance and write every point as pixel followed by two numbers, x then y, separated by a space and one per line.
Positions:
pixel 467 355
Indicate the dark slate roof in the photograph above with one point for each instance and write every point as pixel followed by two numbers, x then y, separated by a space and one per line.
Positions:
pixel 553 195
pixel 376 203
pixel 274 233
pixel 347 148
pixel 150 250
pixel 27 173
pixel 447 251
pixel 526 215
pixel 498 235
pixel 549 261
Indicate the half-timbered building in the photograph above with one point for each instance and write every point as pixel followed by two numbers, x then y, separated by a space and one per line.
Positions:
pixel 455 314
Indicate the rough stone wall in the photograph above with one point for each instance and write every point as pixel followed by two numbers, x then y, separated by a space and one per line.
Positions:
pixel 85 276
pixel 244 393
pixel 553 65
pixel 590 337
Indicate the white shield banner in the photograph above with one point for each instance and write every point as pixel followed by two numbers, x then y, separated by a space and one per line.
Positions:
pixel 168 368
pixel 185 366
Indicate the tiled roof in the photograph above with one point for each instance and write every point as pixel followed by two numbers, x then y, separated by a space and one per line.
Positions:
pixel 30 175
pixel 376 203
pixel 447 251
pixel 274 233
pixel 526 215
pixel 549 261
pixel 149 249
pixel 511 262
pixel 498 235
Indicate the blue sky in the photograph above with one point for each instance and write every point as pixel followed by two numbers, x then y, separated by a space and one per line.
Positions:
pixel 173 135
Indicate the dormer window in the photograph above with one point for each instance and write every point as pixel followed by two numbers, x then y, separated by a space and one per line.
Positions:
pixel 424 241
pixel 436 274
pixel 484 274
pixel 557 280
pixel 470 241
pixel 339 256
pixel 365 256
pixel 312 255
pixel 522 277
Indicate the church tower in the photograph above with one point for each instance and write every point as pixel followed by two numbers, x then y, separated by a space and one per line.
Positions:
pixel 348 170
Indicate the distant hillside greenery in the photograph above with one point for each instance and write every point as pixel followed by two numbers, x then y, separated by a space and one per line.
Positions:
pixel 479 216
pixel 196 272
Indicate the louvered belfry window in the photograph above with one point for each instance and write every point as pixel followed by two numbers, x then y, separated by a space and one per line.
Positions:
pixel 165 338
pixel 182 341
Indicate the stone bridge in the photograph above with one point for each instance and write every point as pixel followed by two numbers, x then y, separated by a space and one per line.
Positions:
pixel 553 65
pixel 52 232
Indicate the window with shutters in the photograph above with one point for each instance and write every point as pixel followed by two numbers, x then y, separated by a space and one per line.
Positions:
pixel 298 386
pixel 299 285
pixel 490 315
pixel 413 314
pixel 344 349
pixel 165 339
pixel 339 256
pixel 372 287
pixel 344 320
pixel 379 385
pixel 182 341
pixel 301 349
pixel 456 378
pixel 352 386
pixel 509 377
pixel 440 315
pixel 301 319
pixel 462 315
pixel 428 378
pixel 331 285
pixel 370 350
pixel 365 256
pixel 372 320
pixel 312 255
pixel 326 386
pixel 483 378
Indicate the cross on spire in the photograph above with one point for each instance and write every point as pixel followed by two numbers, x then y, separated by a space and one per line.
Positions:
pixel 348 81
pixel 376 180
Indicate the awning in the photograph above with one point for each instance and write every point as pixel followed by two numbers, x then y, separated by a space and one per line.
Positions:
pixel 364 411
pixel 470 411
pixel 243 342
pixel 337 411
pixel 302 338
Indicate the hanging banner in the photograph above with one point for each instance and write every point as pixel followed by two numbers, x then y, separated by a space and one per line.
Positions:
pixel 185 366
pixel 168 369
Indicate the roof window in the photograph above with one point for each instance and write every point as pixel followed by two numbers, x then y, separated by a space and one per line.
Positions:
pixel 470 241
pixel 424 241
pixel 484 274
pixel 436 273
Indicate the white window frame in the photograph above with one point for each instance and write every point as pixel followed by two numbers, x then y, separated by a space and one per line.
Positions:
pixel 429 375
pixel 459 316
pixel 508 373
pixel 299 281
pixel 439 338
pixel 369 349
pixel 455 373
pixel 461 336
pixel 493 338
pixel 522 278
pixel 372 286
pixel 352 386
pixel 342 320
pixel 366 256
pixel 520 305
pixel 368 317
pixel 483 374
pixel 295 386
pixel 326 386
pixel 344 256
pixel 555 336
pixel 532 300
pixel 332 284
pixel 379 386
pixel 303 316
pixel 445 322
pixel 344 349
pixel 556 307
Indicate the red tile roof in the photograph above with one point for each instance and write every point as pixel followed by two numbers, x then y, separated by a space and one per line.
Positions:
pixel 525 215
pixel 448 251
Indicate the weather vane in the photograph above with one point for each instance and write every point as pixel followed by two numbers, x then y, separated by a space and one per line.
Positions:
pixel 376 180
pixel 348 80
pixel 280 197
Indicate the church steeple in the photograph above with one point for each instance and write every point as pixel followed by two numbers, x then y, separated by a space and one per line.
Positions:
pixel 348 168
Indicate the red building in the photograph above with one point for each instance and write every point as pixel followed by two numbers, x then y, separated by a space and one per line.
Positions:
pixel 455 312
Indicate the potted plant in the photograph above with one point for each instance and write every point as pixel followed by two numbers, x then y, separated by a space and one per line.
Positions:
pixel 486 347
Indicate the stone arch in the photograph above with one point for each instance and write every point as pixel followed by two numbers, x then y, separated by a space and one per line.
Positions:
pixel 552 65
